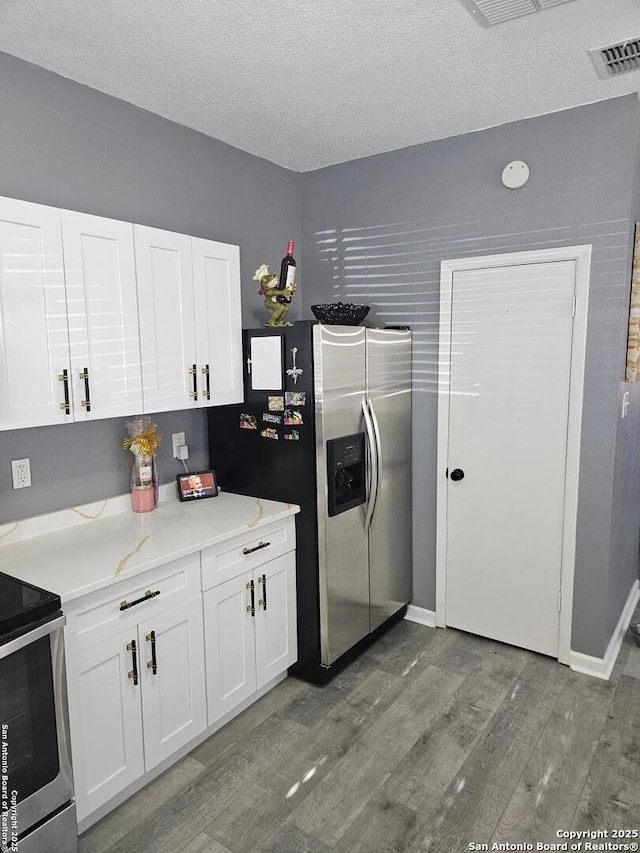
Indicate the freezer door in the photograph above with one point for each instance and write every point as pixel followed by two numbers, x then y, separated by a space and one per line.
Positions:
pixel 339 384
pixel 389 395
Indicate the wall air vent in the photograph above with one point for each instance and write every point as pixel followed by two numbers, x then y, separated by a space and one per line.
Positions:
pixel 617 58
pixel 490 12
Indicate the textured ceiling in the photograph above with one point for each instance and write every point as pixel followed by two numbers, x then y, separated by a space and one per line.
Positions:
pixel 309 83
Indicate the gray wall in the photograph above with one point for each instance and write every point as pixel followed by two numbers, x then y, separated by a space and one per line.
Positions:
pixel 376 229
pixel 69 146
pixel 626 486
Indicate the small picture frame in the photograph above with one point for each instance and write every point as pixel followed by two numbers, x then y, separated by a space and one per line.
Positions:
pixel 199 484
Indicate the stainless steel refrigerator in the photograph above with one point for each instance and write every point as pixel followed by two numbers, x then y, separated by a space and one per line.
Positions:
pixel 326 424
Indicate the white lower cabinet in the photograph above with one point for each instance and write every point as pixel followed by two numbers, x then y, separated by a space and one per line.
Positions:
pixel 172 680
pixel 152 663
pixel 136 693
pixel 105 713
pixel 250 633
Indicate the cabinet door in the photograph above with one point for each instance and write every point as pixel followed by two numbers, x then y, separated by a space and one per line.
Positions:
pixel 34 347
pixel 275 622
pixel 229 646
pixel 105 721
pixel 173 696
pixel 103 316
pixel 167 319
pixel 216 276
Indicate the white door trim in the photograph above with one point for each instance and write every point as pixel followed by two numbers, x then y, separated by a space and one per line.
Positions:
pixel 581 255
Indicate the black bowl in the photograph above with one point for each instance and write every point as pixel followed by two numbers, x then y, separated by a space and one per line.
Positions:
pixel 341 313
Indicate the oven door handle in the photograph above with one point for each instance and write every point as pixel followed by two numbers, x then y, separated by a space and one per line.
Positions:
pixel 38 633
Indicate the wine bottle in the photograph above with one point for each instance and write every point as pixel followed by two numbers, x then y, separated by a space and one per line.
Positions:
pixel 288 268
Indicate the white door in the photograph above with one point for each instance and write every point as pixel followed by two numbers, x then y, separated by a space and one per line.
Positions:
pixel 106 721
pixel 216 278
pixel 511 347
pixel 167 318
pixel 229 645
pixel 173 693
pixel 276 642
pixel 34 346
pixel 103 316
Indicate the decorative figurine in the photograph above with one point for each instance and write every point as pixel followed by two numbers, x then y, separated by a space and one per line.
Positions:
pixel 276 299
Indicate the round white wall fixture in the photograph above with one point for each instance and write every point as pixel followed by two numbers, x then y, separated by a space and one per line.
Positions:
pixel 515 174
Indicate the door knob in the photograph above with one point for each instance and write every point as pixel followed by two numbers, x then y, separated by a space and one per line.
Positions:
pixel 457 474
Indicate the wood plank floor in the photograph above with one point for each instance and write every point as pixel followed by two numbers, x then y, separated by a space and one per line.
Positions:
pixel 432 740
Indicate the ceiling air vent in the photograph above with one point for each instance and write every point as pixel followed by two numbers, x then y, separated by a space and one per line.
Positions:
pixel 617 58
pixel 490 12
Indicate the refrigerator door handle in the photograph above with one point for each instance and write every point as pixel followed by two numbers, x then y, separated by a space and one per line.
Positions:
pixel 373 457
pixel 378 443
pixel 378 440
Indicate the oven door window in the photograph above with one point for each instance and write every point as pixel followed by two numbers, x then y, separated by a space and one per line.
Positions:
pixel 29 741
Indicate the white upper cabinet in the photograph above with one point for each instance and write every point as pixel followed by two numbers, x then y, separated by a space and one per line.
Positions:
pixel 101 318
pixel 190 320
pixel 102 311
pixel 70 347
pixel 216 278
pixel 34 346
pixel 167 318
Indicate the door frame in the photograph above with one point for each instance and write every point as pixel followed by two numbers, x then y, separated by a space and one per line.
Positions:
pixel 581 256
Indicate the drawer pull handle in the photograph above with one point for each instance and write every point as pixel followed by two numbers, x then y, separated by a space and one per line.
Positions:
pixel 251 608
pixel 133 673
pixel 260 545
pixel 125 605
pixel 263 601
pixel 153 663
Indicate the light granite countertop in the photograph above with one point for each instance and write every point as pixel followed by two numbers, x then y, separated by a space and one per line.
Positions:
pixel 83 549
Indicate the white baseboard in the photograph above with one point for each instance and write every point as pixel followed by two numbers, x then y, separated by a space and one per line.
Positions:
pixel 421 616
pixel 602 667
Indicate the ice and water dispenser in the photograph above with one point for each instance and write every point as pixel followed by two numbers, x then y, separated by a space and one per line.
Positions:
pixel 346 472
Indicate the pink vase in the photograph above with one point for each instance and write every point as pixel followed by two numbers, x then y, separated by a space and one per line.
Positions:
pixel 143 498
pixel 143 491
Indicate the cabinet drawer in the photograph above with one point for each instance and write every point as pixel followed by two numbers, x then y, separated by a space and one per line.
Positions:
pixel 228 559
pixel 100 616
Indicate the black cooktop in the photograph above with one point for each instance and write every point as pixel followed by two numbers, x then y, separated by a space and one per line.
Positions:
pixel 22 604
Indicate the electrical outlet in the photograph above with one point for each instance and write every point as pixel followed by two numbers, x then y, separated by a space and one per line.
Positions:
pixel 21 473
pixel 178 440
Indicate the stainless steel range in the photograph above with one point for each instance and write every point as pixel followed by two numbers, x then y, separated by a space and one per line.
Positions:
pixel 37 812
